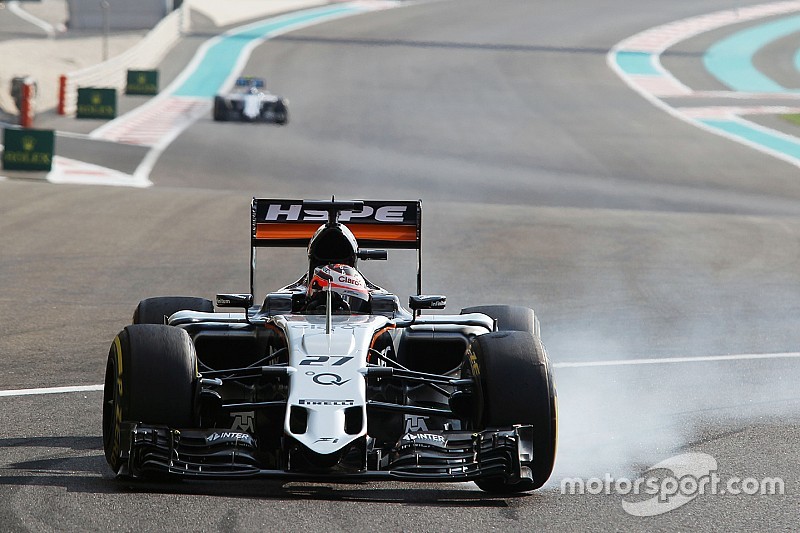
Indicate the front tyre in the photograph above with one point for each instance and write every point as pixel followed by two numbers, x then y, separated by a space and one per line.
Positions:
pixel 281 114
pixel 513 384
pixel 151 377
pixel 220 109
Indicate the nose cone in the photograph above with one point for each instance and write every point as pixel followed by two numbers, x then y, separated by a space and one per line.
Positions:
pixel 252 106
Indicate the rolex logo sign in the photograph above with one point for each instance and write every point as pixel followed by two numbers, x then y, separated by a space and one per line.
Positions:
pixel 142 82
pixel 28 149
pixel 28 143
pixel 94 102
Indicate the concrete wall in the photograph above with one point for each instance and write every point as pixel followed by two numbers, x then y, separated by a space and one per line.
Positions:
pixel 122 14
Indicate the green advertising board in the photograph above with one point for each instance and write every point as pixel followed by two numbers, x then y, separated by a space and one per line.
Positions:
pixel 94 102
pixel 27 149
pixel 142 82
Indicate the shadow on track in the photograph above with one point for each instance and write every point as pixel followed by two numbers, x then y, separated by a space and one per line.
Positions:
pixel 89 473
pixel 368 492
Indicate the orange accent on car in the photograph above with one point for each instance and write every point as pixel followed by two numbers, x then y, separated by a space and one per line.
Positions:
pixel 304 230
pixel 279 231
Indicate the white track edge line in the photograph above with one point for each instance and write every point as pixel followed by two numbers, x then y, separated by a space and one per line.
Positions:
pixel 17 9
pixel 676 360
pixel 585 364
pixel 50 390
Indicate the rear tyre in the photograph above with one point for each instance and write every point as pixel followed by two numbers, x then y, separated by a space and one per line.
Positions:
pixel 157 310
pixel 509 317
pixel 151 377
pixel 513 385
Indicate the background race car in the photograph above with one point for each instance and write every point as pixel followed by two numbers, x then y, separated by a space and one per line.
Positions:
pixel 249 101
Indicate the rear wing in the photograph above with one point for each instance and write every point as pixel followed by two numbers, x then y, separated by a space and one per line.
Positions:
pixel 374 223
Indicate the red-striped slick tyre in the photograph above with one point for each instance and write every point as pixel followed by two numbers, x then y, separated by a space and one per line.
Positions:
pixel 513 384
pixel 151 377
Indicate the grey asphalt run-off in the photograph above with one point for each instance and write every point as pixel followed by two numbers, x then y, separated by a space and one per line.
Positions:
pixel 546 182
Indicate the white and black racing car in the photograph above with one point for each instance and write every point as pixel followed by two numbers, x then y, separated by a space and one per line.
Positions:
pixel 249 101
pixel 330 378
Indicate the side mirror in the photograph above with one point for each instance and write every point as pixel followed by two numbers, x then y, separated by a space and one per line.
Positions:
pixel 429 301
pixel 373 255
pixel 235 300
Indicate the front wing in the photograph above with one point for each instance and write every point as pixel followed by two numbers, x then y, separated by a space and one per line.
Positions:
pixel 429 456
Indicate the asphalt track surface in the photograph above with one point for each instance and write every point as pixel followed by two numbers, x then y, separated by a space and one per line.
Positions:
pixel 546 182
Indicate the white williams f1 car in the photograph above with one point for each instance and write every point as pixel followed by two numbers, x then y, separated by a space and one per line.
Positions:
pixel 330 378
pixel 249 101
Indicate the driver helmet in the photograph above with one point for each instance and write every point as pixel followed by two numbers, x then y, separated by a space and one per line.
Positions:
pixel 348 289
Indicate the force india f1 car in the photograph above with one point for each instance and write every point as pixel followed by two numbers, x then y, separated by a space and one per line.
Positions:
pixel 330 378
pixel 249 101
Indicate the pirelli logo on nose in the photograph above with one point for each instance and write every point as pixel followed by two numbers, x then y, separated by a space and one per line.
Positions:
pixel 390 224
